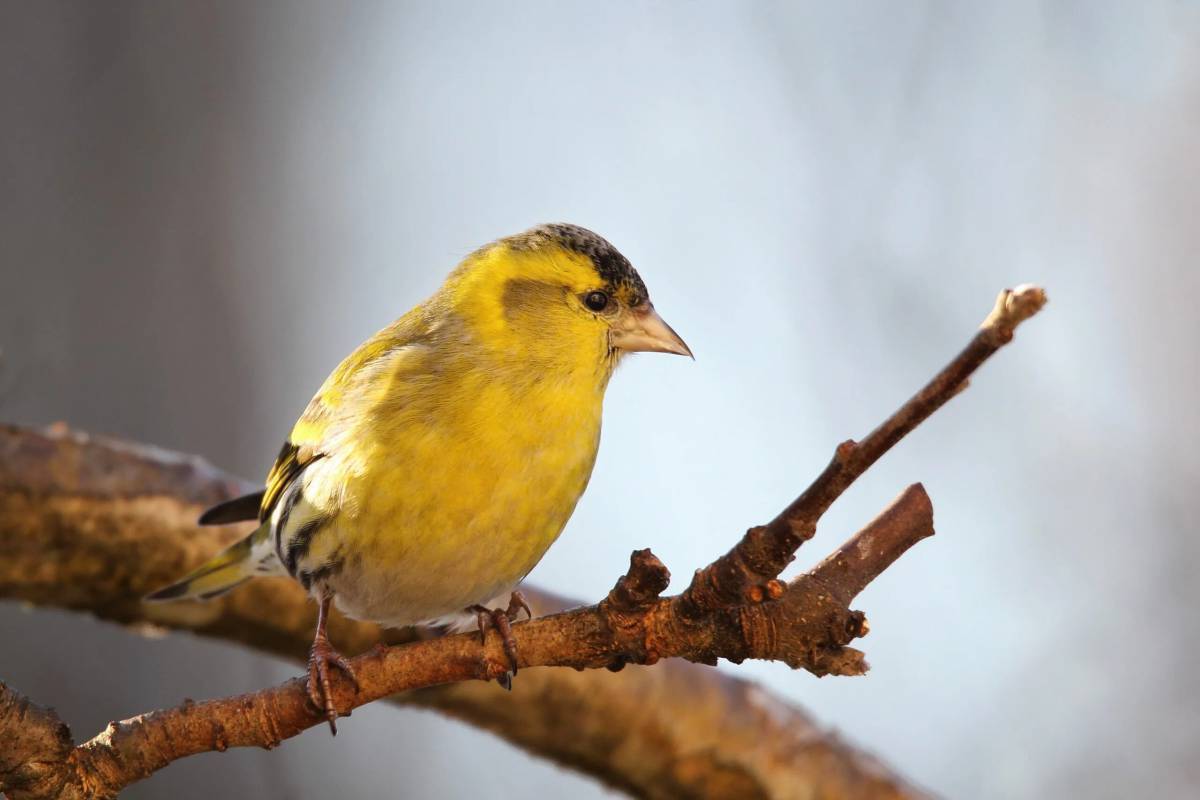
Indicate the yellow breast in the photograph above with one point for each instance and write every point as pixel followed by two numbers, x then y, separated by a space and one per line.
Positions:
pixel 454 489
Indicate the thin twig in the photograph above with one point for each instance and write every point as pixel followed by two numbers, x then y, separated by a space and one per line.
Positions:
pixel 764 552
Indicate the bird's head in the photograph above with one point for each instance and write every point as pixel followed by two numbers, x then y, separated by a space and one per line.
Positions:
pixel 560 296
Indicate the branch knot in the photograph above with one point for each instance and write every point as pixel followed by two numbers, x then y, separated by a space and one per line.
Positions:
pixel 641 585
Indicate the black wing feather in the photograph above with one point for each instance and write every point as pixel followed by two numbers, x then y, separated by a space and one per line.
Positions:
pixel 238 509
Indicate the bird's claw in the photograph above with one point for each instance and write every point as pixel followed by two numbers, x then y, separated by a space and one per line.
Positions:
pixel 320 693
pixel 501 619
pixel 517 604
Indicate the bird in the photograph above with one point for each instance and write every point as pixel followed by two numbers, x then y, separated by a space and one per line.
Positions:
pixel 441 459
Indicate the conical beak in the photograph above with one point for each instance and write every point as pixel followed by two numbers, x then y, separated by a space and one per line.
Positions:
pixel 642 330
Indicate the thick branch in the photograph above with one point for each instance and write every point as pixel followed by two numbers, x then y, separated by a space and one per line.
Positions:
pixel 34 747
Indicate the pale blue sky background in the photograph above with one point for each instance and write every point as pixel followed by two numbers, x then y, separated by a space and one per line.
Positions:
pixel 203 207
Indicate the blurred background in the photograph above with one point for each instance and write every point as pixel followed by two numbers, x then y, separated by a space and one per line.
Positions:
pixel 204 206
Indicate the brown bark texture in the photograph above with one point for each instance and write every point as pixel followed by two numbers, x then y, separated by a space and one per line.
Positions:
pixel 92 524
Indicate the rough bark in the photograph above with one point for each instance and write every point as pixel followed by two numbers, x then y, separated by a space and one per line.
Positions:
pixel 92 524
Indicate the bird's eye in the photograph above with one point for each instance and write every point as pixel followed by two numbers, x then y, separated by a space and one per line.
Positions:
pixel 596 301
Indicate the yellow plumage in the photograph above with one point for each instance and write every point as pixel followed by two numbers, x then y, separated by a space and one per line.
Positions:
pixel 441 458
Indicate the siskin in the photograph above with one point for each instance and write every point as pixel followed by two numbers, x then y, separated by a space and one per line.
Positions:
pixel 442 458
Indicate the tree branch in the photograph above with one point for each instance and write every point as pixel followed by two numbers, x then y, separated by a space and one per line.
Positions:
pixel 766 550
pixel 36 748
pixel 69 504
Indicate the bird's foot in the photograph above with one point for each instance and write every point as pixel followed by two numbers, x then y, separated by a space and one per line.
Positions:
pixel 501 619
pixel 321 658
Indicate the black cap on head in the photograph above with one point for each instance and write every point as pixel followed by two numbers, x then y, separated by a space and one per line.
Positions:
pixel 612 267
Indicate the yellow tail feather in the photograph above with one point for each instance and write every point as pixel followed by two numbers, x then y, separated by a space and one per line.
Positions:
pixel 226 570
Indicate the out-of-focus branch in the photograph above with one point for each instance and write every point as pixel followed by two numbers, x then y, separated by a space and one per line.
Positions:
pixel 93 525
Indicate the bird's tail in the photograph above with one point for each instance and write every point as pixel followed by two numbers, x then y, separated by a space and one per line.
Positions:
pixel 230 567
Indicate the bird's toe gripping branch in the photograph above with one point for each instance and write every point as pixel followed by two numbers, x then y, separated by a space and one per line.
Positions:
pixel 322 661
pixel 501 619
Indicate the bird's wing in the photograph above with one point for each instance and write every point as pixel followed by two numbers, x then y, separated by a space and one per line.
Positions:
pixel 290 462
pixel 236 510
pixel 345 401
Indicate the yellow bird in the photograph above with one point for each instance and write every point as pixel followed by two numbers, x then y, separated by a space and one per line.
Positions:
pixel 442 458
